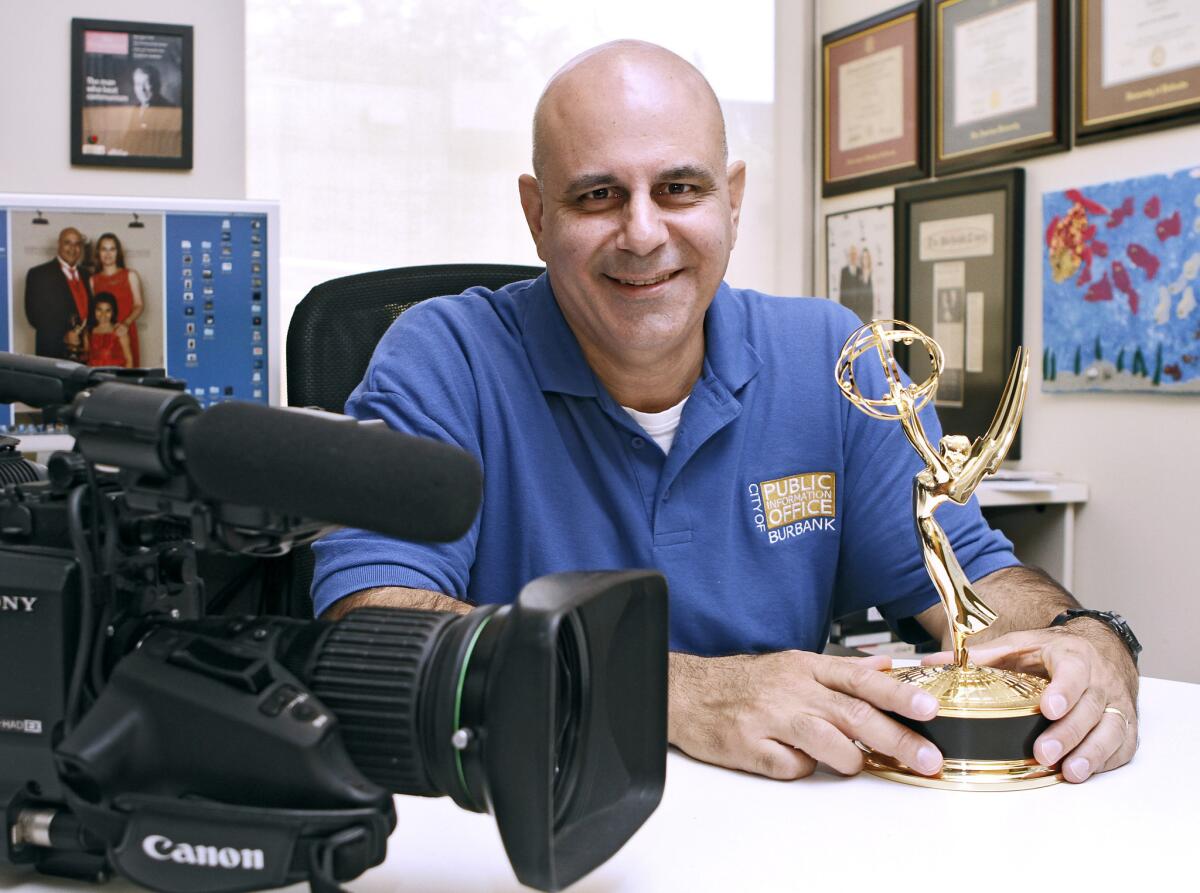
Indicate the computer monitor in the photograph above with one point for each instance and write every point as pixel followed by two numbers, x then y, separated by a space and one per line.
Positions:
pixel 206 271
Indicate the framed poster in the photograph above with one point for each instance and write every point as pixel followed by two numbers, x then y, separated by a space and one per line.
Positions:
pixel 131 94
pixel 874 102
pixel 859 261
pixel 1139 66
pixel 1120 272
pixel 1000 79
pixel 959 279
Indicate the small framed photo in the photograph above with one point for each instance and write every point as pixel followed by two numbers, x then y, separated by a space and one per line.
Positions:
pixel 1001 69
pixel 1139 67
pixel 874 102
pixel 859 261
pixel 959 263
pixel 131 94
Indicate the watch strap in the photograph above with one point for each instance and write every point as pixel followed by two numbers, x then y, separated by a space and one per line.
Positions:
pixel 1112 620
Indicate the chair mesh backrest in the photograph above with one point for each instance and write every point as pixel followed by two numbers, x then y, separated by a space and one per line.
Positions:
pixel 336 327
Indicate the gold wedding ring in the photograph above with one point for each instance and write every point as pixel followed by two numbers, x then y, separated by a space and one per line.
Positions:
pixel 1118 712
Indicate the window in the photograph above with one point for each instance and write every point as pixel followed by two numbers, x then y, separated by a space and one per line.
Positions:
pixel 393 131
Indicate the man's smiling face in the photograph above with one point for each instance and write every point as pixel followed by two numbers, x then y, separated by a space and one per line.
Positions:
pixel 633 212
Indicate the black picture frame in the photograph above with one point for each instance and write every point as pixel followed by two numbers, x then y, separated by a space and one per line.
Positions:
pixel 1126 107
pixel 886 161
pixel 1023 132
pixel 131 94
pixel 948 254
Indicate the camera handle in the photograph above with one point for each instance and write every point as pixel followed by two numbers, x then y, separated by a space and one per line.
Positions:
pixel 199 846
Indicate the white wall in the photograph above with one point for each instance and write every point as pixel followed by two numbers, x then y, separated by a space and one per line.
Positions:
pixel 795 167
pixel 35 68
pixel 1138 453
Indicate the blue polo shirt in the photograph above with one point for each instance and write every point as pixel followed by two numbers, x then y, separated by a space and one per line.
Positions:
pixel 779 507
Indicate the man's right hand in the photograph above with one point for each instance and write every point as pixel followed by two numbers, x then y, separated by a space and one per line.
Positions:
pixel 780 714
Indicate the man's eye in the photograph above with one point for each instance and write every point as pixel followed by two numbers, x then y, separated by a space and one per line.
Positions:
pixel 679 188
pixel 598 195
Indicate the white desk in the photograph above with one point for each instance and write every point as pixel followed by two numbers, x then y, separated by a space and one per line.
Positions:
pixel 717 830
pixel 1039 517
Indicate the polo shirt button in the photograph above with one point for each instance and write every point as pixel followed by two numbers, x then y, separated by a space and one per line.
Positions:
pixel 638 443
pixel 666 494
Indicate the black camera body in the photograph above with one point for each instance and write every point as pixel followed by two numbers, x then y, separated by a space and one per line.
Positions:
pixel 191 752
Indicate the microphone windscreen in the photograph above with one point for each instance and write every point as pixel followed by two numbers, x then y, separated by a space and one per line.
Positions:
pixel 333 469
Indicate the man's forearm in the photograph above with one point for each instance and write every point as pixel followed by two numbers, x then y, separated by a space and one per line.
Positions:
pixel 1029 598
pixel 395 597
pixel 1023 597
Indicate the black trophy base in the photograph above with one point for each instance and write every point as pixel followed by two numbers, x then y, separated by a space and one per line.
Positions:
pixel 987 722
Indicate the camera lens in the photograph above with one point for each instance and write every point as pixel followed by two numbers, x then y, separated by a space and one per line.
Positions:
pixel 569 711
pixel 402 683
pixel 549 713
pixel 374 670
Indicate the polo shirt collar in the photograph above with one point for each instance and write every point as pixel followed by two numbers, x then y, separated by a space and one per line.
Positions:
pixel 727 350
pixel 558 361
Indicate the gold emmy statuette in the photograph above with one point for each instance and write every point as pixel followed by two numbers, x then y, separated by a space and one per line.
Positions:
pixel 987 718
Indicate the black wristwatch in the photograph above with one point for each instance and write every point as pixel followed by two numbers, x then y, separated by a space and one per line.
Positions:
pixel 1115 622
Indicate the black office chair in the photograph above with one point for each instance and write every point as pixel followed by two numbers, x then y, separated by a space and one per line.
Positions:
pixel 329 345
pixel 336 327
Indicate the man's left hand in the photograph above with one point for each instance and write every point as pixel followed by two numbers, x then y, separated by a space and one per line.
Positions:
pixel 1088 686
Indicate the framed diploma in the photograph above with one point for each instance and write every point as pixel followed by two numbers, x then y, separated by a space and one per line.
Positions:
pixel 859 263
pixel 874 107
pixel 131 94
pixel 959 276
pixel 1001 69
pixel 1139 66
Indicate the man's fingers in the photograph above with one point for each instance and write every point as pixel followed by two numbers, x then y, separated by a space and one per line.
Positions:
pixel 1097 750
pixel 777 760
pixel 822 741
pixel 1064 735
pixel 859 680
pixel 1010 652
pixel 1070 676
pixel 860 721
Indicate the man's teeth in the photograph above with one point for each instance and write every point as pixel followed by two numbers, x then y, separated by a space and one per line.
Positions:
pixel 662 278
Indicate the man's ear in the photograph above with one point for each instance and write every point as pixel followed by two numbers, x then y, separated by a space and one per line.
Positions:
pixel 531 204
pixel 737 189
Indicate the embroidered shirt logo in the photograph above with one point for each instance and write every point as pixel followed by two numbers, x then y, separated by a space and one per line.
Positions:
pixel 794 505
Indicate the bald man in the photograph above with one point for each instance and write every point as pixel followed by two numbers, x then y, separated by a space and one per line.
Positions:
pixel 630 409
pixel 57 298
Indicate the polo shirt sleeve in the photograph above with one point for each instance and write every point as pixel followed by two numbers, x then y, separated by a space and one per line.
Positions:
pixel 880 562
pixel 419 382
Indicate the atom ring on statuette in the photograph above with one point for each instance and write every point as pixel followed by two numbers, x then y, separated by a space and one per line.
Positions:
pixel 878 337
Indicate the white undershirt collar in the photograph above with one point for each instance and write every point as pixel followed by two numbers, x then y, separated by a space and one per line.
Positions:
pixel 661 426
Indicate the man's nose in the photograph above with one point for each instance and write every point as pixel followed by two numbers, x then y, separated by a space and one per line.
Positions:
pixel 643 228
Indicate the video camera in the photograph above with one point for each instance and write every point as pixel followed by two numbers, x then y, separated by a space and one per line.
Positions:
pixel 191 752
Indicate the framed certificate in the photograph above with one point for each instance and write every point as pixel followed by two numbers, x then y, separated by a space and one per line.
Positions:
pixel 131 94
pixel 1139 66
pixel 874 107
pixel 1001 71
pixel 959 279
pixel 859 263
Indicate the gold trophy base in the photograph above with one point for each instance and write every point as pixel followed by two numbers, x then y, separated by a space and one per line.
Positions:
pixel 986 724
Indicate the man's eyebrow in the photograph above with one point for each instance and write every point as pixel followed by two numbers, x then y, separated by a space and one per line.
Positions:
pixel 587 182
pixel 686 172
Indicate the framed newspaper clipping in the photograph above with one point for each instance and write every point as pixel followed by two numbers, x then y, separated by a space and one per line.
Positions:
pixel 1001 69
pixel 875 75
pixel 959 279
pixel 131 94
pixel 1139 66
